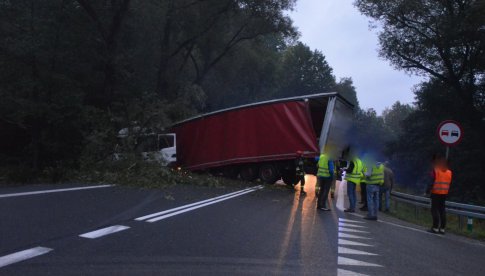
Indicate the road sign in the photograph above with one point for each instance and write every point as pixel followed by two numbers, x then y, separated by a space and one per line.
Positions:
pixel 450 132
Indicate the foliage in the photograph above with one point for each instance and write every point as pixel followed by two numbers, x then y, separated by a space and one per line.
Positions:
pixel 445 41
pixel 75 72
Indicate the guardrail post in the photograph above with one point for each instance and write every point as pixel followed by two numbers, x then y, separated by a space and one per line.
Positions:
pixel 416 212
pixel 469 225
pixel 460 223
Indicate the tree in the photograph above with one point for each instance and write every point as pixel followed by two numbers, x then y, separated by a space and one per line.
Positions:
pixel 346 88
pixel 442 39
pixel 394 116
pixel 303 72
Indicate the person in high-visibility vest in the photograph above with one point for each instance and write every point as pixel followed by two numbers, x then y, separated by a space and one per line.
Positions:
pixel 300 173
pixel 363 189
pixel 353 176
pixel 439 189
pixel 375 181
pixel 325 175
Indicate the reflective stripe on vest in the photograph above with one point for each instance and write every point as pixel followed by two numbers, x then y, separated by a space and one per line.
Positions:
pixel 377 176
pixel 442 182
pixel 323 170
pixel 356 174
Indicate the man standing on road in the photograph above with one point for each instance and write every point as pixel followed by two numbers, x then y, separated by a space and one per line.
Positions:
pixel 373 185
pixel 363 189
pixel 385 191
pixel 325 178
pixel 353 177
pixel 439 190
pixel 300 173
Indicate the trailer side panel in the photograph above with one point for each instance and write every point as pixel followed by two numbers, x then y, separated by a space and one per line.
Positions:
pixel 253 134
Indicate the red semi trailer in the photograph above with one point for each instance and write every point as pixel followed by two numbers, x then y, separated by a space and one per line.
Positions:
pixel 264 139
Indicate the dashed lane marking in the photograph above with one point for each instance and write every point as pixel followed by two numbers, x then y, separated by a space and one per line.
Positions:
pixel 347 242
pixel 350 236
pixel 351 230
pixel 104 231
pixel 344 250
pixel 203 205
pixel 350 225
pixel 343 272
pixel 23 255
pixel 348 261
pixel 195 203
pixel 55 191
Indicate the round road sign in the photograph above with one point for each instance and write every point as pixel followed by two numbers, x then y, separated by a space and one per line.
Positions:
pixel 450 132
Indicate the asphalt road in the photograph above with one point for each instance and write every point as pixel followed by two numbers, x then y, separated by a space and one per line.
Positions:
pixel 273 230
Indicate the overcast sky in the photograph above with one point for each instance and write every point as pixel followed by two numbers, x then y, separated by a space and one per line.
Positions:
pixel 341 33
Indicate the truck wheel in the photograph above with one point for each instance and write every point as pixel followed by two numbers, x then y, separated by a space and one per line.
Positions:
pixel 230 172
pixel 269 173
pixel 249 173
pixel 289 177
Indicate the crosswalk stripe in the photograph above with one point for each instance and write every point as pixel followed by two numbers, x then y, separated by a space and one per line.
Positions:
pixel 343 229
pixel 346 242
pixel 350 220
pixel 348 261
pixel 350 225
pixel 344 250
pixel 350 236
pixel 343 272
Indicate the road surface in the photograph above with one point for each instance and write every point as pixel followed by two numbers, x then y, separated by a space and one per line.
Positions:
pixel 113 230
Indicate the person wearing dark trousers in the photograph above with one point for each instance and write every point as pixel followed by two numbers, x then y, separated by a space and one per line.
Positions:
pixel 385 190
pixel 300 174
pixel 376 179
pixel 353 176
pixel 439 188
pixel 325 178
pixel 363 191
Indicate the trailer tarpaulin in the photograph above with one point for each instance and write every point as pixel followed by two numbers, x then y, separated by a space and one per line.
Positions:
pixel 253 134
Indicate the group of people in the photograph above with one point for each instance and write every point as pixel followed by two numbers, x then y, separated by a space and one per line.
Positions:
pixel 376 181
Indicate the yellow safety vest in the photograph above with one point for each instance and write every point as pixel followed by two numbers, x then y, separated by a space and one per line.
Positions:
pixel 356 175
pixel 323 170
pixel 377 176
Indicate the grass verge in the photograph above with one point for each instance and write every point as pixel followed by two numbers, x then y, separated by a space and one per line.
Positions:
pixel 422 216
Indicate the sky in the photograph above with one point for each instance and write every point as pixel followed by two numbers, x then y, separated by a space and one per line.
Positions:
pixel 342 34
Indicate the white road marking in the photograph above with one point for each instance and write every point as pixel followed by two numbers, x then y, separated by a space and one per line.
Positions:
pixel 202 205
pixel 55 191
pixel 346 242
pixel 349 220
pixel 343 250
pixel 342 272
pixel 104 231
pixel 348 261
pixel 195 203
pixel 349 236
pixel 343 229
pixel 350 225
pixel 23 255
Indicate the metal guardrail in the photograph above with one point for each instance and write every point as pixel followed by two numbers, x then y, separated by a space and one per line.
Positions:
pixel 460 209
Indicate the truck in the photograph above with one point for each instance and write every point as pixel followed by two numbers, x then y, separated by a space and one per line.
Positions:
pixel 264 139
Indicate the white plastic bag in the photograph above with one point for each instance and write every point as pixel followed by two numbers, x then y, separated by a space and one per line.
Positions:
pixel 341 192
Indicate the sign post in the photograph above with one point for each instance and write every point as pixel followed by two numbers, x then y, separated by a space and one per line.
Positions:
pixel 450 133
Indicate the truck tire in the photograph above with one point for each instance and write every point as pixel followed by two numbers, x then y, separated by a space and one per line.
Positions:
pixel 269 173
pixel 249 173
pixel 289 177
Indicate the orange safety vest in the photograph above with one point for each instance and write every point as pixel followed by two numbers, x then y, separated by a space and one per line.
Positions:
pixel 442 181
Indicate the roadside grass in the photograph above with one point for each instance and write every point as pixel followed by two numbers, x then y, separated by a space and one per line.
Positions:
pixel 422 216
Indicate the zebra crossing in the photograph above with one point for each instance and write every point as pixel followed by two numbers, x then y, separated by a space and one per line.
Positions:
pixel 353 241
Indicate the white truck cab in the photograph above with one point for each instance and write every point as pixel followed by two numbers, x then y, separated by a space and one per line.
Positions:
pixel 153 147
